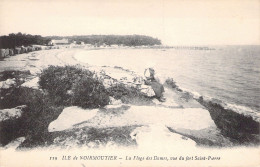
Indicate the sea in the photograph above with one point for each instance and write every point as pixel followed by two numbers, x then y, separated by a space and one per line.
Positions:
pixel 229 75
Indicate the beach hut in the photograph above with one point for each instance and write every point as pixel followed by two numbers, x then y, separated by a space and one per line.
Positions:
pixel 23 49
pixel 17 50
pixel 29 49
pixel 11 52
pixel 35 48
pixel 2 53
pixel 7 52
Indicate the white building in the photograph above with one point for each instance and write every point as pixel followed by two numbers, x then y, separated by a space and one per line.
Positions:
pixel 60 42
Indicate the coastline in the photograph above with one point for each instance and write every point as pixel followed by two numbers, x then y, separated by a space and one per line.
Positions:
pixel 35 62
pixel 133 129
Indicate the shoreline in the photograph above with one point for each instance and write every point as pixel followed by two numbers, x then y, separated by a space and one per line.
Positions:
pixel 36 61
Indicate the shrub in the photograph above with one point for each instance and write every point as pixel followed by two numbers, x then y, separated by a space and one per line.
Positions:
pixel 89 92
pixel 58 80
pixel 128 94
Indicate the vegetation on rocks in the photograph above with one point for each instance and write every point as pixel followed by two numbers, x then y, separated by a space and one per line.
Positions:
pixel 34 121
pixel 19 76
pixel 71 85
pixel 128 94
pixel 60 87
pixel 88 92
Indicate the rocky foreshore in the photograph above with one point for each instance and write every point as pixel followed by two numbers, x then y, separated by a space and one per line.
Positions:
pixel 128 121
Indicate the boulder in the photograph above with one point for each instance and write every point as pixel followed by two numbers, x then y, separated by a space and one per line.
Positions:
pixel 108 83
pixel 15 143
pixel 7 83
pixel 113 101
pixel 71 116
pixel 12 113
pixel 176 118
pixel 33 83
pixel 159 136
pixel 147 90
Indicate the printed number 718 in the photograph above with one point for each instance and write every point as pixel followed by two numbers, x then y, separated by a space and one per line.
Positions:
pixel 53 158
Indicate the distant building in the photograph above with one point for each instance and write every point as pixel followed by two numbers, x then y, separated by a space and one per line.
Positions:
pixel 88 46
pixel 60 42
pixel 114 46
pixel 50 43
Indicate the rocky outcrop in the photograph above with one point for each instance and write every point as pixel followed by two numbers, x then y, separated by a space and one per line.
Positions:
pixel 113 101
pixel 15 143
pixel 33 83
pixel 71 116
pixel 194 123
pixel 242 128
pixel 159 136
pixel 147 90
pixel 12 113
pixel 7 83
pixel 113 76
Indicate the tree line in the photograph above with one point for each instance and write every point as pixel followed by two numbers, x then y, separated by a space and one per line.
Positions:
pixel 14 40
pixel 127 40
pixel 19 39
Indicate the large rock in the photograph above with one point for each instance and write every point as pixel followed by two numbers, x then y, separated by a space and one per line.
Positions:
pixel 7 83
pixel 33 83
pixel 15 143
pixel 113 76
pixel 158 136
pixel 113 101
pixel 71 116
pixel 12 113
pixel 147 90
pixel 125 115
pixel 243 128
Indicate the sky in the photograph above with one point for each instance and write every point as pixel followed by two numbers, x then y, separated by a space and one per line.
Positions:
pixel 175 22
